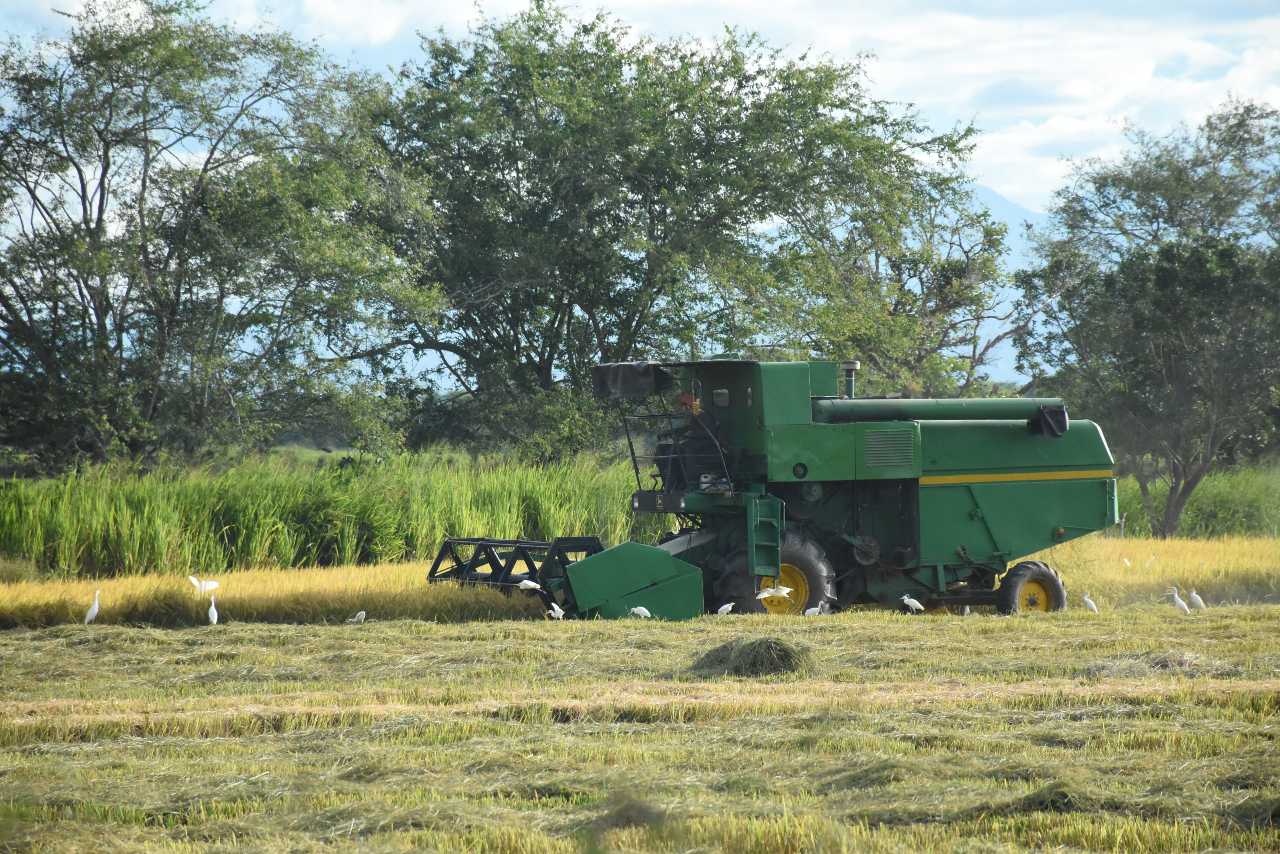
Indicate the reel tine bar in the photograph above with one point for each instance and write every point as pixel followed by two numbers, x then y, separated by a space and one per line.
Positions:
pixel 502 558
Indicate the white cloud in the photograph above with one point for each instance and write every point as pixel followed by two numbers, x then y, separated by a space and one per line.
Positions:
pixel 1040 86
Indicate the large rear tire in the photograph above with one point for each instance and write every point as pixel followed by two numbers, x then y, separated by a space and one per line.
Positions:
pixel 805 569
pixel 1031 586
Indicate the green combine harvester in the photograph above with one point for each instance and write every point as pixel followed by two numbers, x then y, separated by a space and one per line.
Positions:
pixel 778 480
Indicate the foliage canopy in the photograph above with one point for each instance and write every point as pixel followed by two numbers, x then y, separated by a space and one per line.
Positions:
pixel 1157 305
pixel 176 249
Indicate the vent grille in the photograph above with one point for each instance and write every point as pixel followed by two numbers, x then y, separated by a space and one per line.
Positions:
pixel 889 448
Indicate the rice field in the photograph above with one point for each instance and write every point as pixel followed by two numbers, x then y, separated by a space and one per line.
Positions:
pixel 1134 730
pixel 454 720
pixel 1116 572
pixel 281 512
pixel 294 510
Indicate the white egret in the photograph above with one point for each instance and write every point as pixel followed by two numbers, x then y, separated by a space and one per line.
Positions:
pixel 526 584
pixel 912 604
pixel 556 612
pixel 725 608
pixel 358 618
pixel 641 611
pixel 204 586
pixel 213 612
pixel 92 613
pixel 770 592
pixel 1177 600
pixel 1196 601
pixel 812 612
pixel 822 609
pixel 966 611
pixel 1088 603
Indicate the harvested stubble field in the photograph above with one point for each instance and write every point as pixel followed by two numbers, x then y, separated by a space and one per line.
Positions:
pixel 1135 730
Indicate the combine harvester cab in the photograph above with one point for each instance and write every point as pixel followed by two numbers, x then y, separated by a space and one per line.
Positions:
pixel 776 480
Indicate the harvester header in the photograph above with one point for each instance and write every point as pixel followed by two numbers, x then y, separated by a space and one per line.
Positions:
pixel 777 477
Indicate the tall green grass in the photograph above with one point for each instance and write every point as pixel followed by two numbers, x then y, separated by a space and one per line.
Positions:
pixel 1236 502
pixel 284 511
pixel 278 513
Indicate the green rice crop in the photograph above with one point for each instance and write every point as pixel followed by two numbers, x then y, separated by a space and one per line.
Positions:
pixel 276 512
pixel 291 511
pixel 1233 502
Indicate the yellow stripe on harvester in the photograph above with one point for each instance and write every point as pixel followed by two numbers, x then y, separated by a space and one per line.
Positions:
pixel 938 480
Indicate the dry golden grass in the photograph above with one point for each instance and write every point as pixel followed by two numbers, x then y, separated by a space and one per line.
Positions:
pixel 1232 570
pixel 387 591
pixel 1133 730
pixel 1119 571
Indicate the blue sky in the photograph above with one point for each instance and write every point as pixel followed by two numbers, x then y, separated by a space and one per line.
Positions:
pixel 1043 82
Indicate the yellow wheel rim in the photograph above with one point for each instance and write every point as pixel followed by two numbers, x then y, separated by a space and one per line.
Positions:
pixel 794 602
pixel 1033 596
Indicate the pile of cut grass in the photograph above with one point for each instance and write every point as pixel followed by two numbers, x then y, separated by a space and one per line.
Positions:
pixel 767 656
pixel 326 595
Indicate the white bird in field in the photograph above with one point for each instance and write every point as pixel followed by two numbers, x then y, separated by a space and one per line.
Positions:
pixel 912 604
pixel 1177 601
pixel 725 608
pixel 769 592
pixel 556 612
pixel 202 587
pixel 358 618
pixel 820 610
pixel 1196 601
pixel 213 612
pixel 526 584
pixel 641 612
pixel 92 613
pixel 966 611
pixel 1088 603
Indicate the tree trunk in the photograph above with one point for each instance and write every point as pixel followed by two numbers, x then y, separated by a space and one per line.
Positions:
pixel 1144 490
pixel 1179 494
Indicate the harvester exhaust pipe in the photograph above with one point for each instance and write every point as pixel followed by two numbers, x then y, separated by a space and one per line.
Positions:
pixel 849 369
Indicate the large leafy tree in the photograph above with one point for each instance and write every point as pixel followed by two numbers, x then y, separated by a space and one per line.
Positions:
pixel 598 195
pixel 178 248
pixel 1157 306
pixel 912 298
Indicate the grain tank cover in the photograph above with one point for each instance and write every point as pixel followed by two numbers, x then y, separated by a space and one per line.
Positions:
pixel 1045 415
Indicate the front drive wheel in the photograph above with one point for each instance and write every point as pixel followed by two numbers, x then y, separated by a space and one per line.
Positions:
pixel 804 568
pixel 1031 586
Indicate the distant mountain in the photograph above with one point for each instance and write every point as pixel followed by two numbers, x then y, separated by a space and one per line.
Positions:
pixel 1015 217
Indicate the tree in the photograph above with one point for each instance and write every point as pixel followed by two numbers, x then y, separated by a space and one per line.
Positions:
pixel 1157 306
pixel 603 196
pixel 177 246
pixel 909 301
